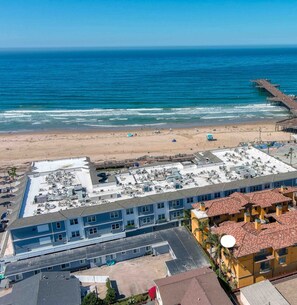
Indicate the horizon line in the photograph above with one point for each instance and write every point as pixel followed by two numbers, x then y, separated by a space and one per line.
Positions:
pixel 245 46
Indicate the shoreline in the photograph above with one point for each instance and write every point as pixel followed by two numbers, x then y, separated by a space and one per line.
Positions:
pixel 137 128
pixel 23 148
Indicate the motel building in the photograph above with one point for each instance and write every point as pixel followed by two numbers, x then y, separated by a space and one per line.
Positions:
pixel 67 204
pixel 264 228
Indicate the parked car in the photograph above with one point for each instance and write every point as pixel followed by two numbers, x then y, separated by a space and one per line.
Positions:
pixel 2 227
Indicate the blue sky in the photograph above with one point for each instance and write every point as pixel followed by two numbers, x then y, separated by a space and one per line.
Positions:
pixel 125 23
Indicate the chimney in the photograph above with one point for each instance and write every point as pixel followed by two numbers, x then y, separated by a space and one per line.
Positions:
pixel 247 217
pixel 257 224
pixel 202 206
pixel 279 210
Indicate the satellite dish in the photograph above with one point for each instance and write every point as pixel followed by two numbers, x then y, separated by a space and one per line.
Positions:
pixel 228 241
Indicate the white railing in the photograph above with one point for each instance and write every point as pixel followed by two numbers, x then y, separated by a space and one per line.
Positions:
pixel 68 246
pixel 92 278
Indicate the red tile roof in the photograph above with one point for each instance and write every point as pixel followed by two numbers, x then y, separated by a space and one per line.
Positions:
pixel 276 235
pixel 237 201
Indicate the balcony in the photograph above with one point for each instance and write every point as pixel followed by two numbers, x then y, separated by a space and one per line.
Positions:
pixel 159 221
pixel 265 270
pixel 129 227
pixel 263 257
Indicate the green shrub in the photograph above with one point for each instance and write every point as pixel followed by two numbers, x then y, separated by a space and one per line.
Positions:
pixel 110 294
pixel 92 299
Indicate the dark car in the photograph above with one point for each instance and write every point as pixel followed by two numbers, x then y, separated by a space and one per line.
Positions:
pixel 2 227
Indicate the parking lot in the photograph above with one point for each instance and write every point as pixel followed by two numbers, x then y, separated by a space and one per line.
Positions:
pixel 131 277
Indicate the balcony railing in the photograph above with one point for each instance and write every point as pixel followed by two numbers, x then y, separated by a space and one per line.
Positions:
pixel 265 270
pixel 130 227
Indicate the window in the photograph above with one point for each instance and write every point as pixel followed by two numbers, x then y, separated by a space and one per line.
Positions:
pixel 45 240
pixel 93 231
pixel 242 190
pixel 123 252
pixel 176 203
pixel 217 195
pixel 36 271
pixel 277 184
pixel 114 214
pixel 73 221
pixel 136 250
pixel 110 257
pixel 145 209
pixel 75 234
pixel 204 197
pixel 18 277
pixel 97 260
pixel 177 214
pixel 82 261
pixel 256 188
pixel 42 228
pixel 115 226
pixel 64 266
pixel 130 211
pixel 49 268
pixel 161 217
pixel 190 200
pixel 58 225
pixel 146 220
pixel 60 237
pixel 282 260
pixel 266 186
pixel 161 205
pixel 229 192
pixel 130 223
pixel 264 266
pixel 91 218
pixel 148 248
pixel 282 251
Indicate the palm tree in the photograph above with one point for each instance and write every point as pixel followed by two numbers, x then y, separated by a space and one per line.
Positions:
pixel 216 249
pixel 290 154
pixel 201 226
pixel 12 174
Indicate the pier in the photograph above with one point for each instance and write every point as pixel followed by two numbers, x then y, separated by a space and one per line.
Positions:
pixel 277 96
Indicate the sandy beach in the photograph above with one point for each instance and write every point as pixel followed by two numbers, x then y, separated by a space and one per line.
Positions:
pixel 17 149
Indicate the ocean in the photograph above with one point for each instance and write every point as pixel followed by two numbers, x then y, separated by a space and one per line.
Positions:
pixel 126 88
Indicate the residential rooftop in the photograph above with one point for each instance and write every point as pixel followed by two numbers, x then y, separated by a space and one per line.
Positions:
pixel 237 202
pixel 186 252
pixel 196 287
pixel 278 234
pixel 71 183
pixel 45 288
pixel 262 293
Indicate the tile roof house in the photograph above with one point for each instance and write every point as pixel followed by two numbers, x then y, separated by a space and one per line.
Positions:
pixel 237 202
pixel 264 225
pixel 195 287
pixel 276 235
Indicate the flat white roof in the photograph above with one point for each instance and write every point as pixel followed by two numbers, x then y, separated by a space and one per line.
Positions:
pixel 230 165
pixel 262 293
